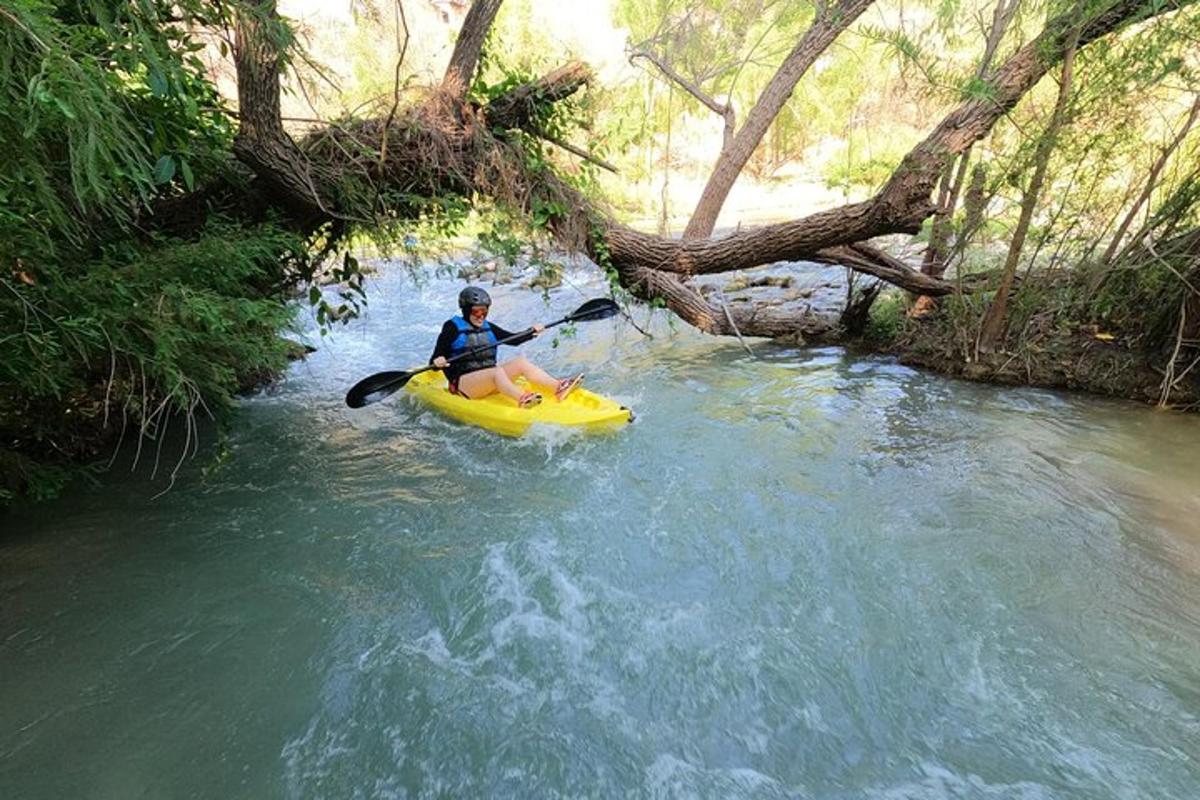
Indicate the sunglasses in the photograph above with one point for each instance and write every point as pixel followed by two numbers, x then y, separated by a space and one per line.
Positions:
pixel 479 311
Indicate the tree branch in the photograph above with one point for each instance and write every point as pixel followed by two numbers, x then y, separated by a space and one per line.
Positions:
pixel 873 261
pixel 467 48
pixel 721 109
pixel 737 150
pixel 579 151
pixel 402 47
pixel 516 108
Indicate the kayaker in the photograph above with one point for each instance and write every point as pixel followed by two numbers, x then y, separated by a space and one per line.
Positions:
pixel 478 375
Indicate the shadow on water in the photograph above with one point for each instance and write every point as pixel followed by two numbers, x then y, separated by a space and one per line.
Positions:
pixel 799 574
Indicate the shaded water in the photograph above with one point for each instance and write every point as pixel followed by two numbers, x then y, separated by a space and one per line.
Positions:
pixel 808 574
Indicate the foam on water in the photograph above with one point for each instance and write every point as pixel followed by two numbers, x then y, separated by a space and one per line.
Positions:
pixel 802 574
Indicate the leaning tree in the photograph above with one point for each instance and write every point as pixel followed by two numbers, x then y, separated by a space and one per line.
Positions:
pixel 147 229
pixel 452 144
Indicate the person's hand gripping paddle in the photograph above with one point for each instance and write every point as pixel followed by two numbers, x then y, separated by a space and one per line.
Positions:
pixel 376 387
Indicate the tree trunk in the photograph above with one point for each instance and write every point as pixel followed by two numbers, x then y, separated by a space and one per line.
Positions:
pixel 445 147
pixel 734 154
pixel 467 48
pixel 992 329
pixel 724 110
pixel 285 174
pixel 934 262
pixel 1151 183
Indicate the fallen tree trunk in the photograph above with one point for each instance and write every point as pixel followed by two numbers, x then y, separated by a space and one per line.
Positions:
pixel 445 146
pixel 904 202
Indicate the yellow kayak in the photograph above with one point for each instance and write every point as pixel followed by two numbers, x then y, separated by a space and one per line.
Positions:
pixel 501 414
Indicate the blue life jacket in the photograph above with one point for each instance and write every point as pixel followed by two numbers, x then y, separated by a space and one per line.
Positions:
pixel 469 338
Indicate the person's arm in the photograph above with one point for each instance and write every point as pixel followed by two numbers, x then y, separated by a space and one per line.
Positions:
pixel 444 341
pixel 522 337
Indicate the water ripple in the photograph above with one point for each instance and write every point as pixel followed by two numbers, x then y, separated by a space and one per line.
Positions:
pixel 803 574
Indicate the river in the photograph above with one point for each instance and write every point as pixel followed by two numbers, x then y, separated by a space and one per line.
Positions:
pixel 800 573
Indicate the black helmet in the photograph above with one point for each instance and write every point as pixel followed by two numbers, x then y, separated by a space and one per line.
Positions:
pixel 473 296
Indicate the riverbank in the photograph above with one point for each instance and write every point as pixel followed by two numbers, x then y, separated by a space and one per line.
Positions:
pixel 44 447
pixel 1045 351
pixel 1067 355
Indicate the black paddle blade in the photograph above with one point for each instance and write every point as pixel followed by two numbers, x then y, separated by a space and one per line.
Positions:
pixel 600 308
pixel 375 387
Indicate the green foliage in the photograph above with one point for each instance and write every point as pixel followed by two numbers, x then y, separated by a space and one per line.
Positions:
pixel 24 477
pixel 346 281
pixel 916 55
pixel 727 47
pixel 855 176
pixel 886 318
pixel 105 109
pixel 601 254
pixel 730 50
pixel 867 159
pixel 501 239
pixel 104 106
pixel 143 331
pixel 1140 300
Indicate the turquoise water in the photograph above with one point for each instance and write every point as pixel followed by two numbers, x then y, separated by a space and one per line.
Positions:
pixel 800 574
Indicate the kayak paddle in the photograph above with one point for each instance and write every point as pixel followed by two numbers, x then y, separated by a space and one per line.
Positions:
pixel 375 387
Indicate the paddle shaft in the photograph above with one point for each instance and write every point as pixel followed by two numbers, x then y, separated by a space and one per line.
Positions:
pixel 378 386
pixel 475 350
pixel 486 347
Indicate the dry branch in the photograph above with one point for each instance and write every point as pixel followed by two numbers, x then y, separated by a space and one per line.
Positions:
pixel 444 145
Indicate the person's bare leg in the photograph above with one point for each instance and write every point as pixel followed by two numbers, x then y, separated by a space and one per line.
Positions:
pixel 478 384
pixel 482 382
pixel 505 384
pixel 534 374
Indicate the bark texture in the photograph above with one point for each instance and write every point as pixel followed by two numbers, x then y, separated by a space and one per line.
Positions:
pixel 469 45
pixel 445 145
pixel 830 21
pixel 992 329
pixel 283 171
